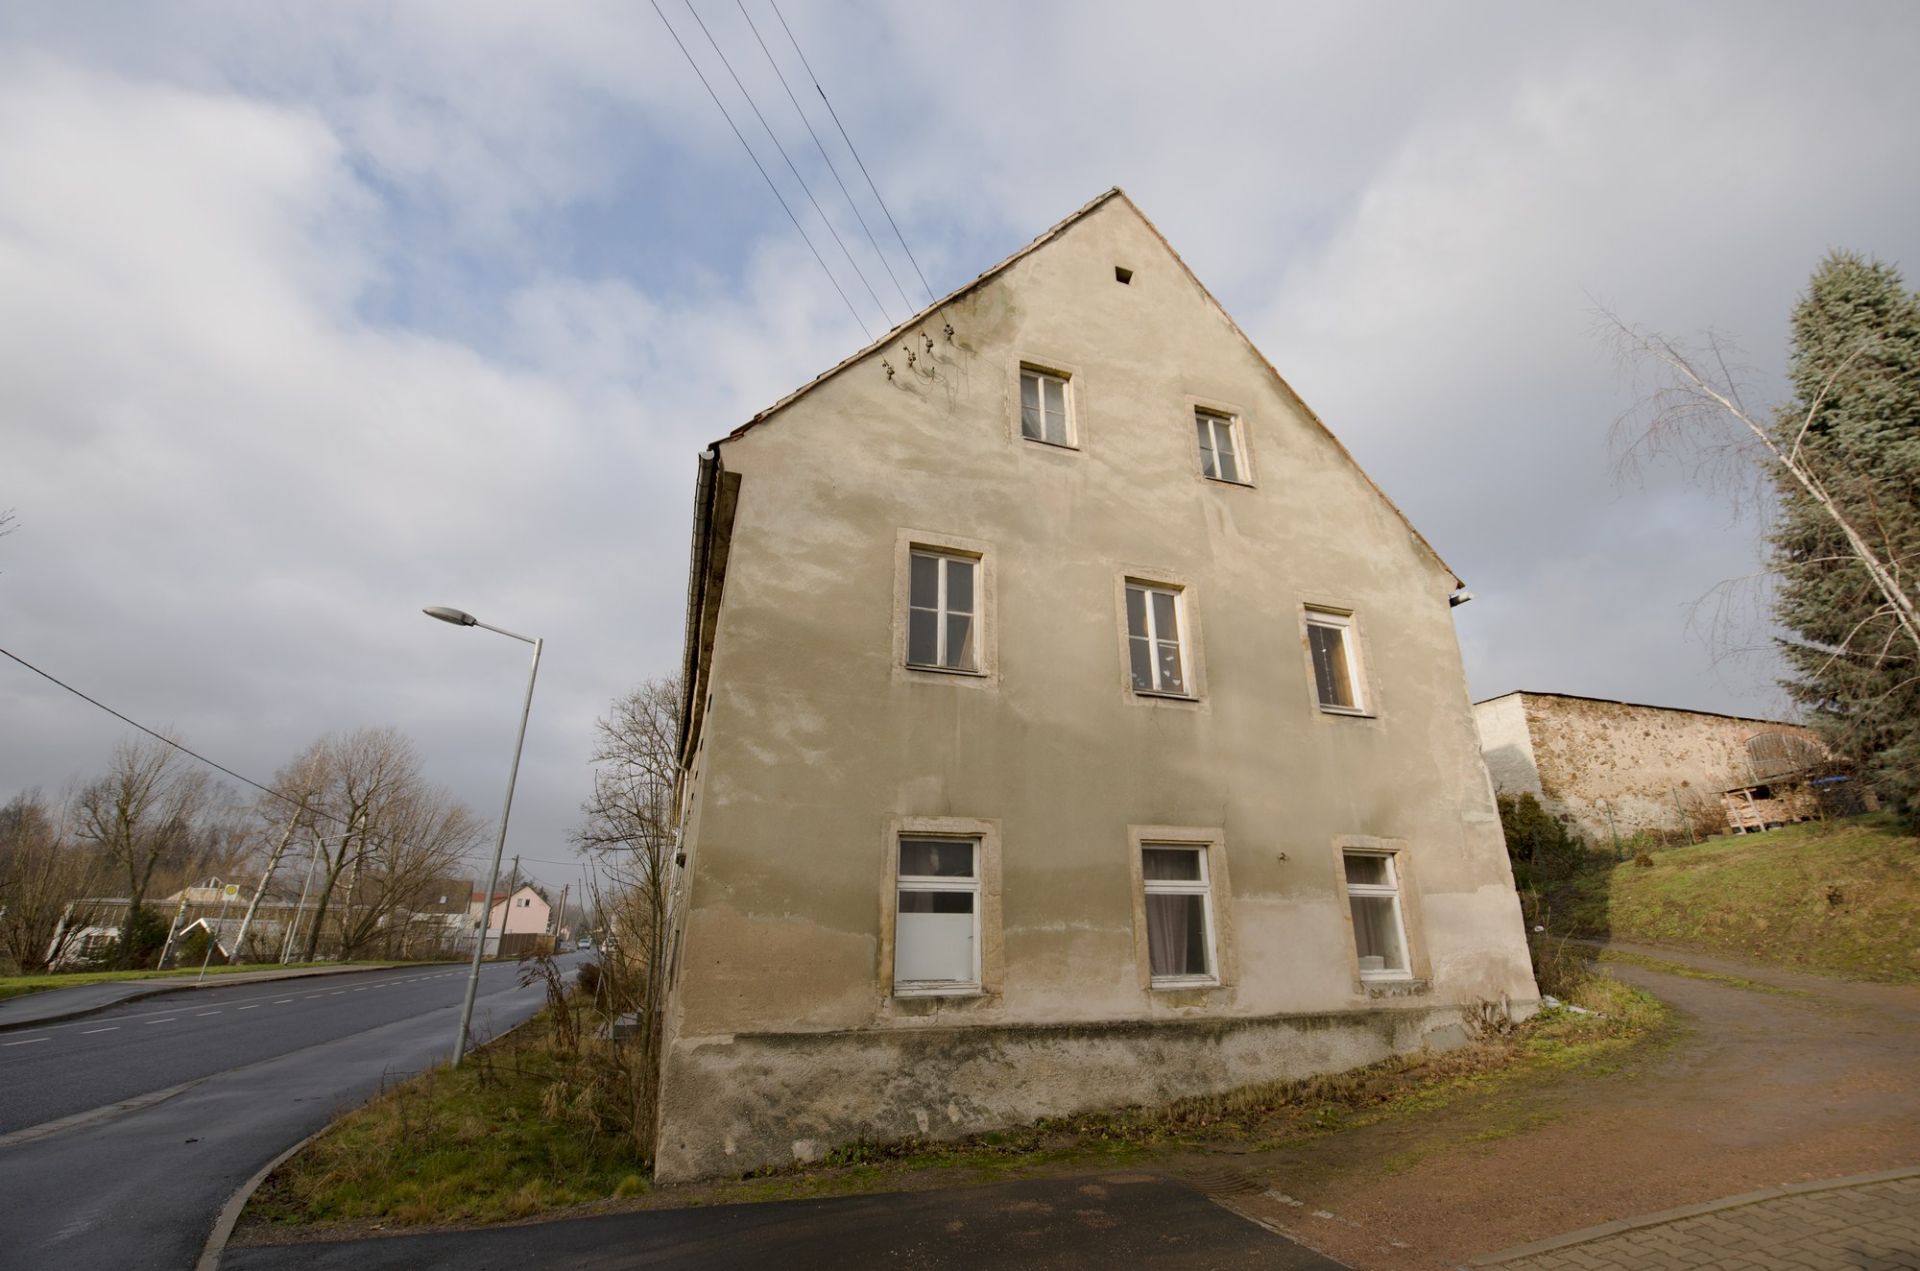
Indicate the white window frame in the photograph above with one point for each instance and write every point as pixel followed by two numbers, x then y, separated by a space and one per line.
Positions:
pixel 937 883
pixel 1042 375
pixel 1333 620
pixel 1202 887
pixel 1389 890
pixel 1219 421
pixel 941 613
pixel 1181 621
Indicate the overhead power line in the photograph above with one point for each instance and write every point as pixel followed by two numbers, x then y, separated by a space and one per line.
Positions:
pixel 855 149
pixel 886 320
pixel 851 201
pixel 161 737
pixel 861 322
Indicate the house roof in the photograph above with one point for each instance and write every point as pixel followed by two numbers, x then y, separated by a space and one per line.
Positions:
pixel 1087 210
pixel 1645 706
pixel 505 895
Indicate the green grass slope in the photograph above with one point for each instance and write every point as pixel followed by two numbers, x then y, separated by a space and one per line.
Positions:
pixel 1840 898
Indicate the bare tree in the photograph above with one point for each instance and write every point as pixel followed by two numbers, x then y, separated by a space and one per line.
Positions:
pixel 1695 414
pixel 418 842
pixel 296 786
pixel 630 829
pixel 45 879
pixel 144 810
pixel 369 770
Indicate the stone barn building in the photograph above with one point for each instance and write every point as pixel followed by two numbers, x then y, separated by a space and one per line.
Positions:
pixel 1069 723
pixel 1607 767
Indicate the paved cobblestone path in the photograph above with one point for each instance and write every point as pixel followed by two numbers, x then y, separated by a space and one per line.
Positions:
pixel 1816 1080
pixel 1874 1226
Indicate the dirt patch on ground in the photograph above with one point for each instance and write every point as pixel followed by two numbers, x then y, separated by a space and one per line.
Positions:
pixel 1756 1089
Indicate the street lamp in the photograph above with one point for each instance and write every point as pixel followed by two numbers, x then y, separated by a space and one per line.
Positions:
pixel 460 618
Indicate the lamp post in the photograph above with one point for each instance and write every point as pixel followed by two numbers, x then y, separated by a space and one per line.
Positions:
pixel 460 618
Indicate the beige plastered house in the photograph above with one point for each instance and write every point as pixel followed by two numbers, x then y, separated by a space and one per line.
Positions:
pixel 1071 724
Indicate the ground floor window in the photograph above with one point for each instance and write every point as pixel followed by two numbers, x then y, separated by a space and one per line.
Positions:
pixel 936 940
pixel 1379 936
pixel 1179 914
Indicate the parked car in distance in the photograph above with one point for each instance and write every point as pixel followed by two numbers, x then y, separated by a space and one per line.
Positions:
pixel 585 945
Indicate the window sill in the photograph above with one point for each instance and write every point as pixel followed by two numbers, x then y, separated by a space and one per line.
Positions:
pixel 1244 485
pixel 938 990
pixel 946 670
pixel 1351 712
pixel 1051 445
pixel 1164 697
pixel 1167 984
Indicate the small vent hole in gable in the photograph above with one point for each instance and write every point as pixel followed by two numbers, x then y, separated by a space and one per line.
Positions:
pixel 1121 274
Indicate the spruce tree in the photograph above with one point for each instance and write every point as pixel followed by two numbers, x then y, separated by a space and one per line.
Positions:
pixel 1856 376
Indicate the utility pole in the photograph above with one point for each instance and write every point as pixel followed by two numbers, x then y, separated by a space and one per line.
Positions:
pixel 561 917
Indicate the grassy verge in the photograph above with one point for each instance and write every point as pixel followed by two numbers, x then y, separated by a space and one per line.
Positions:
pixel 1840 898
pixel 528 1124
pixel 508 1140
pixel 15 985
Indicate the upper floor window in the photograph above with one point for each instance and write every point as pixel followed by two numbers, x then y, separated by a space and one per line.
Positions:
pixel 1179 912
pixel 1336 661
pixel 941 612
pixel 1379 936
pixel 1222 456
pixel 936 940
pixel 1155 647
pixel 1045 407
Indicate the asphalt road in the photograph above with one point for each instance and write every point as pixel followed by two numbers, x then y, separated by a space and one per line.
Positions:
pixel 1091 1223
pixel 268 1064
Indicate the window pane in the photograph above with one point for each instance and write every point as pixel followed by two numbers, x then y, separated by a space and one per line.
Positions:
pixel 936 902
pixel 1376 934
pixel 959 586
pixel 1166 622
pixel 932 940
pixel 1224 451
pixel 1180 864
pixel 1368 871
pixel 1057 428
pixel 924 591
pixel 1177 935
pixel 1056 398
pixel 1136 611
pixel 960 641
pixel 922 633
pixel 1029 391
pixel 1140 652
pixel 937 858
pixel 1171 680
pixel 1330 672
pixel 1204 427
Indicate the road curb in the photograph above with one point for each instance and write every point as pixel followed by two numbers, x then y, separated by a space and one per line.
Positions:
pixel 1606 1229
pixel 223 981
pixel 229 1215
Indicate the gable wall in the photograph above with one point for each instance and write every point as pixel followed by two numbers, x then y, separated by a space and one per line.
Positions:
pixel 815 738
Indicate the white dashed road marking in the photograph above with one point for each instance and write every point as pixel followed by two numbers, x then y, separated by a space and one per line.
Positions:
pixel 168 1020
pixel 204 1014
pixel 91 1031
pixel 28 1042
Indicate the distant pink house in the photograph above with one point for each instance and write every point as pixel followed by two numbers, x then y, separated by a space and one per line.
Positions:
pixel 522 912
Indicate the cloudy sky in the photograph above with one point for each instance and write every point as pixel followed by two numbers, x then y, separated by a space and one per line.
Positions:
pixel 312 315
